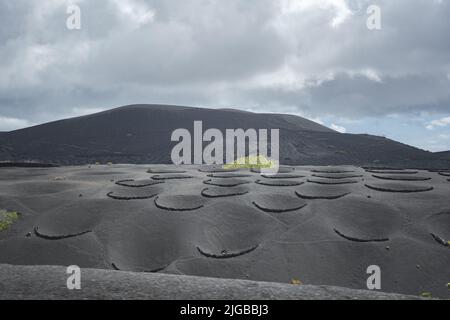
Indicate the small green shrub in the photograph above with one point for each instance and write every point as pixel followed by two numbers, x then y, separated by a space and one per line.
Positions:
pixel 251 162
pixel 7 218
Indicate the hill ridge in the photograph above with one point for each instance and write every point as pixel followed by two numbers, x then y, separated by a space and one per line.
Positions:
pixel 140 133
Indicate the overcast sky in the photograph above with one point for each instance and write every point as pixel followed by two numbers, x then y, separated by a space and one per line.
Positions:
pixel 314 58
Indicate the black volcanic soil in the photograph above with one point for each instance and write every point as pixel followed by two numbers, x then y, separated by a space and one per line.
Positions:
pixel 113 217
pixel 48 282
pixel 141 134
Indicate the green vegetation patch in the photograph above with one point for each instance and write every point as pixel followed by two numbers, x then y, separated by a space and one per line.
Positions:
pixel 252 162
pixel 7 218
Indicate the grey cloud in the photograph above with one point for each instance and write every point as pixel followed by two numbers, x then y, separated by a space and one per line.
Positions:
pixel 356 96
pixel 214 53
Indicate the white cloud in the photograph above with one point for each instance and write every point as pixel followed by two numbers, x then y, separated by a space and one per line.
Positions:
pixel 438 123
pixel 338 128
pixel 317 120
pixel 372 75
pixel 83 111
pixel 434 147
pixel 339 8
pixel 136 12
pixel 9 124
